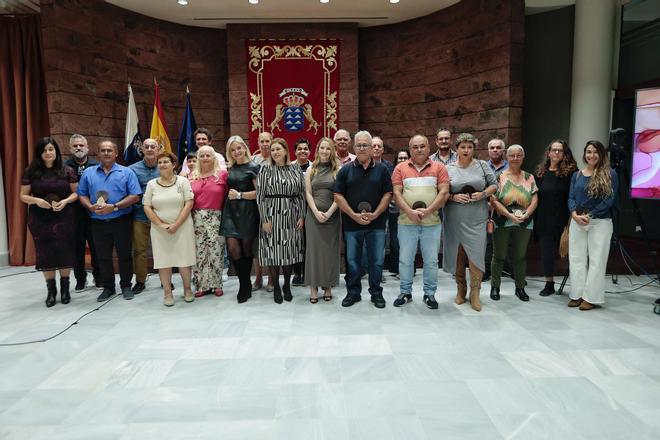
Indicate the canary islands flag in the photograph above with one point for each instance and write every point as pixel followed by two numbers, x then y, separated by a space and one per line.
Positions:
pixel 158 130
pixel 133 139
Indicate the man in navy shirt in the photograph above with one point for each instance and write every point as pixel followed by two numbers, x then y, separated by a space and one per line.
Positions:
pixel 80 161
pixel 362 191
pixel 108 191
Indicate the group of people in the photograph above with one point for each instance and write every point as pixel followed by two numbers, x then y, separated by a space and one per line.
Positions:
pixel 281 215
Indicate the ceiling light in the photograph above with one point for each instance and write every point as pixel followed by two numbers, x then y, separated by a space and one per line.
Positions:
pixel 394 1
pixel 182 2
pixel 253 2
pixel 324 1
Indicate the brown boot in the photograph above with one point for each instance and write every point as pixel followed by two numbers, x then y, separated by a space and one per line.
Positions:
pixel 575 302
pixel 475 290
pixel 586 305
pixel 461 286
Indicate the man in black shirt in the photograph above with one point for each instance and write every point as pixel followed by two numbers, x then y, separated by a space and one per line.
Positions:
pixel 80 161
pixel 362 191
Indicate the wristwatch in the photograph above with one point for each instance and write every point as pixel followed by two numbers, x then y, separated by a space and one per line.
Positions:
pixel 240 195
pixel 115 208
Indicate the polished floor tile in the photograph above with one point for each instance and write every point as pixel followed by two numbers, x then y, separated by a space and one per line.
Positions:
pixel 217 369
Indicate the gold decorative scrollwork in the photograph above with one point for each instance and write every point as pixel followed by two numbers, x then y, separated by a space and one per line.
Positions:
pixel 255 112
pixel 331 110
pixel 269 52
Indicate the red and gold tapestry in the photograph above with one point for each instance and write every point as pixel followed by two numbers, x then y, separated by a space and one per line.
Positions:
pixel 293 89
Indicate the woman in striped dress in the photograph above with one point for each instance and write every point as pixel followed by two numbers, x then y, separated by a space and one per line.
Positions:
pixel 281 201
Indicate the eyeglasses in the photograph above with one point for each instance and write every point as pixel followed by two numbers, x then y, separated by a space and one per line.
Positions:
pixel 362 146
pixel 150 146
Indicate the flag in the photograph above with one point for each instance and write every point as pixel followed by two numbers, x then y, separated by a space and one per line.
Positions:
pixel 188 127
pixel 133 142
pixel 158 130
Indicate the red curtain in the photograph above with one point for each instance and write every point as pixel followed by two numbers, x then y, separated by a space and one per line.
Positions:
pixel 293 89
pixel 24 119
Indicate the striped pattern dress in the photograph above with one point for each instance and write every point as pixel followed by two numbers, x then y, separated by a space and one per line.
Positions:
pixel 281 201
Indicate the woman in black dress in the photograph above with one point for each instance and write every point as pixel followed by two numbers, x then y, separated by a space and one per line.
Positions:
pixel 49 188
pixel 553 178
pixel 240 219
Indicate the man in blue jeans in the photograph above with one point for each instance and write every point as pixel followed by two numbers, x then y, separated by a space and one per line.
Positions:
pixel 421 188
pixel 362 191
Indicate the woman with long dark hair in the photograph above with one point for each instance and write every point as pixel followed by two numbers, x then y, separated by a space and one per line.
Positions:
pixel 49 188
pixel 591 198
pixel 553 178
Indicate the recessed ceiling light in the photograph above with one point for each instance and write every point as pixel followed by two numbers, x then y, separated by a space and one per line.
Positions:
pixel 324 1
pixel 182 2
pixel 253 2
pixel 394 1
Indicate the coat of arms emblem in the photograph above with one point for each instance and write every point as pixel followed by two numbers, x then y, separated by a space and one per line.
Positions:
pixel 294 111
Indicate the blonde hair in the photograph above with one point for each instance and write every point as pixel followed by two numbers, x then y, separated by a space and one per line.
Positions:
pixel 236 140
pixel 198 165
pixel 284 145
pixel 334 162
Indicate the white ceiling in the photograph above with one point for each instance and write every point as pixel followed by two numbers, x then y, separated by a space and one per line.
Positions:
pixel 218 13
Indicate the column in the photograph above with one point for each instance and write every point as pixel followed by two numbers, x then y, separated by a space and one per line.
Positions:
pixel 592 83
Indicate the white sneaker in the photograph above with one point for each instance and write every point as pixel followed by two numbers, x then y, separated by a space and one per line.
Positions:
pixel 225 277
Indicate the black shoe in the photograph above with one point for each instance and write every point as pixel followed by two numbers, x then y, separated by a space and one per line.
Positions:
pixel 549 289
pixel 495 293
pixel 378 300
pixel 521 294
pixel 430 302
pixel 287 293
pixel 277 294
pixel 298 281
pixel 80 285
pixel 127 293
pixel 137 288
pixel 51 299
pixel 349 300
pixel 105 295
pixel 64 290
pixel 402 299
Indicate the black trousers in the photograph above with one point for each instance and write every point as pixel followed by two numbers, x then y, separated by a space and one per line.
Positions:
pixel 114 234
pixel 82 237
pixel 549 246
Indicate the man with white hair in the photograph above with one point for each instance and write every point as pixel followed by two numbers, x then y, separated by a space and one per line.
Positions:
pixel 342 143
pixel 362 191
pixel 79 162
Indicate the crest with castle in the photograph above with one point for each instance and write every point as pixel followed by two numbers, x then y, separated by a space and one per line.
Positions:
pixel 294 112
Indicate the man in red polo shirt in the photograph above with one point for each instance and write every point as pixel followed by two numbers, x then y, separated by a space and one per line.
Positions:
pixel 421 188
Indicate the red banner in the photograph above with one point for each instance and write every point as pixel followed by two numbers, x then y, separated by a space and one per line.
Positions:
pixel 293 89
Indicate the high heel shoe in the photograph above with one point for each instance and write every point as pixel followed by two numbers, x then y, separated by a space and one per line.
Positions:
pixel 287 293
pixel 277 294
pixel 51 299
pixel 64 290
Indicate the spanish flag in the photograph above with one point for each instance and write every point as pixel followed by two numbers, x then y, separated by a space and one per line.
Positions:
pixel 158 125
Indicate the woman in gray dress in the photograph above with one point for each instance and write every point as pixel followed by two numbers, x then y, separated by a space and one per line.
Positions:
pixel 465 217
pixel 322 223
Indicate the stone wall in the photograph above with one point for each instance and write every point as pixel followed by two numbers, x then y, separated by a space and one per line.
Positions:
pixel 93 49
pixel 460 68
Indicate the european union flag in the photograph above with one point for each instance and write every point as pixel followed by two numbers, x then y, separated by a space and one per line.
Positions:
pixel 186 139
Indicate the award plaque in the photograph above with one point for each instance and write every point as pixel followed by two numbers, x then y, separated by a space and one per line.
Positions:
pixel 101 197
pixel 418 205
pixel 364 207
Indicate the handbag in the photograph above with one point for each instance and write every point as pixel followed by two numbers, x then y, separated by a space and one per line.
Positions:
pixel 563 243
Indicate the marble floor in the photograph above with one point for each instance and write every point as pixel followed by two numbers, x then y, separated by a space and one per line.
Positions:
pixel 219 370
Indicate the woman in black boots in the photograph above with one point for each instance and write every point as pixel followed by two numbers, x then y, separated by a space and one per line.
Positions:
pixel 49 188
pixel 240 219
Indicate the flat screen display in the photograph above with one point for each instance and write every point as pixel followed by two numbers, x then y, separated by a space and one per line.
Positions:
pixel 645 181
